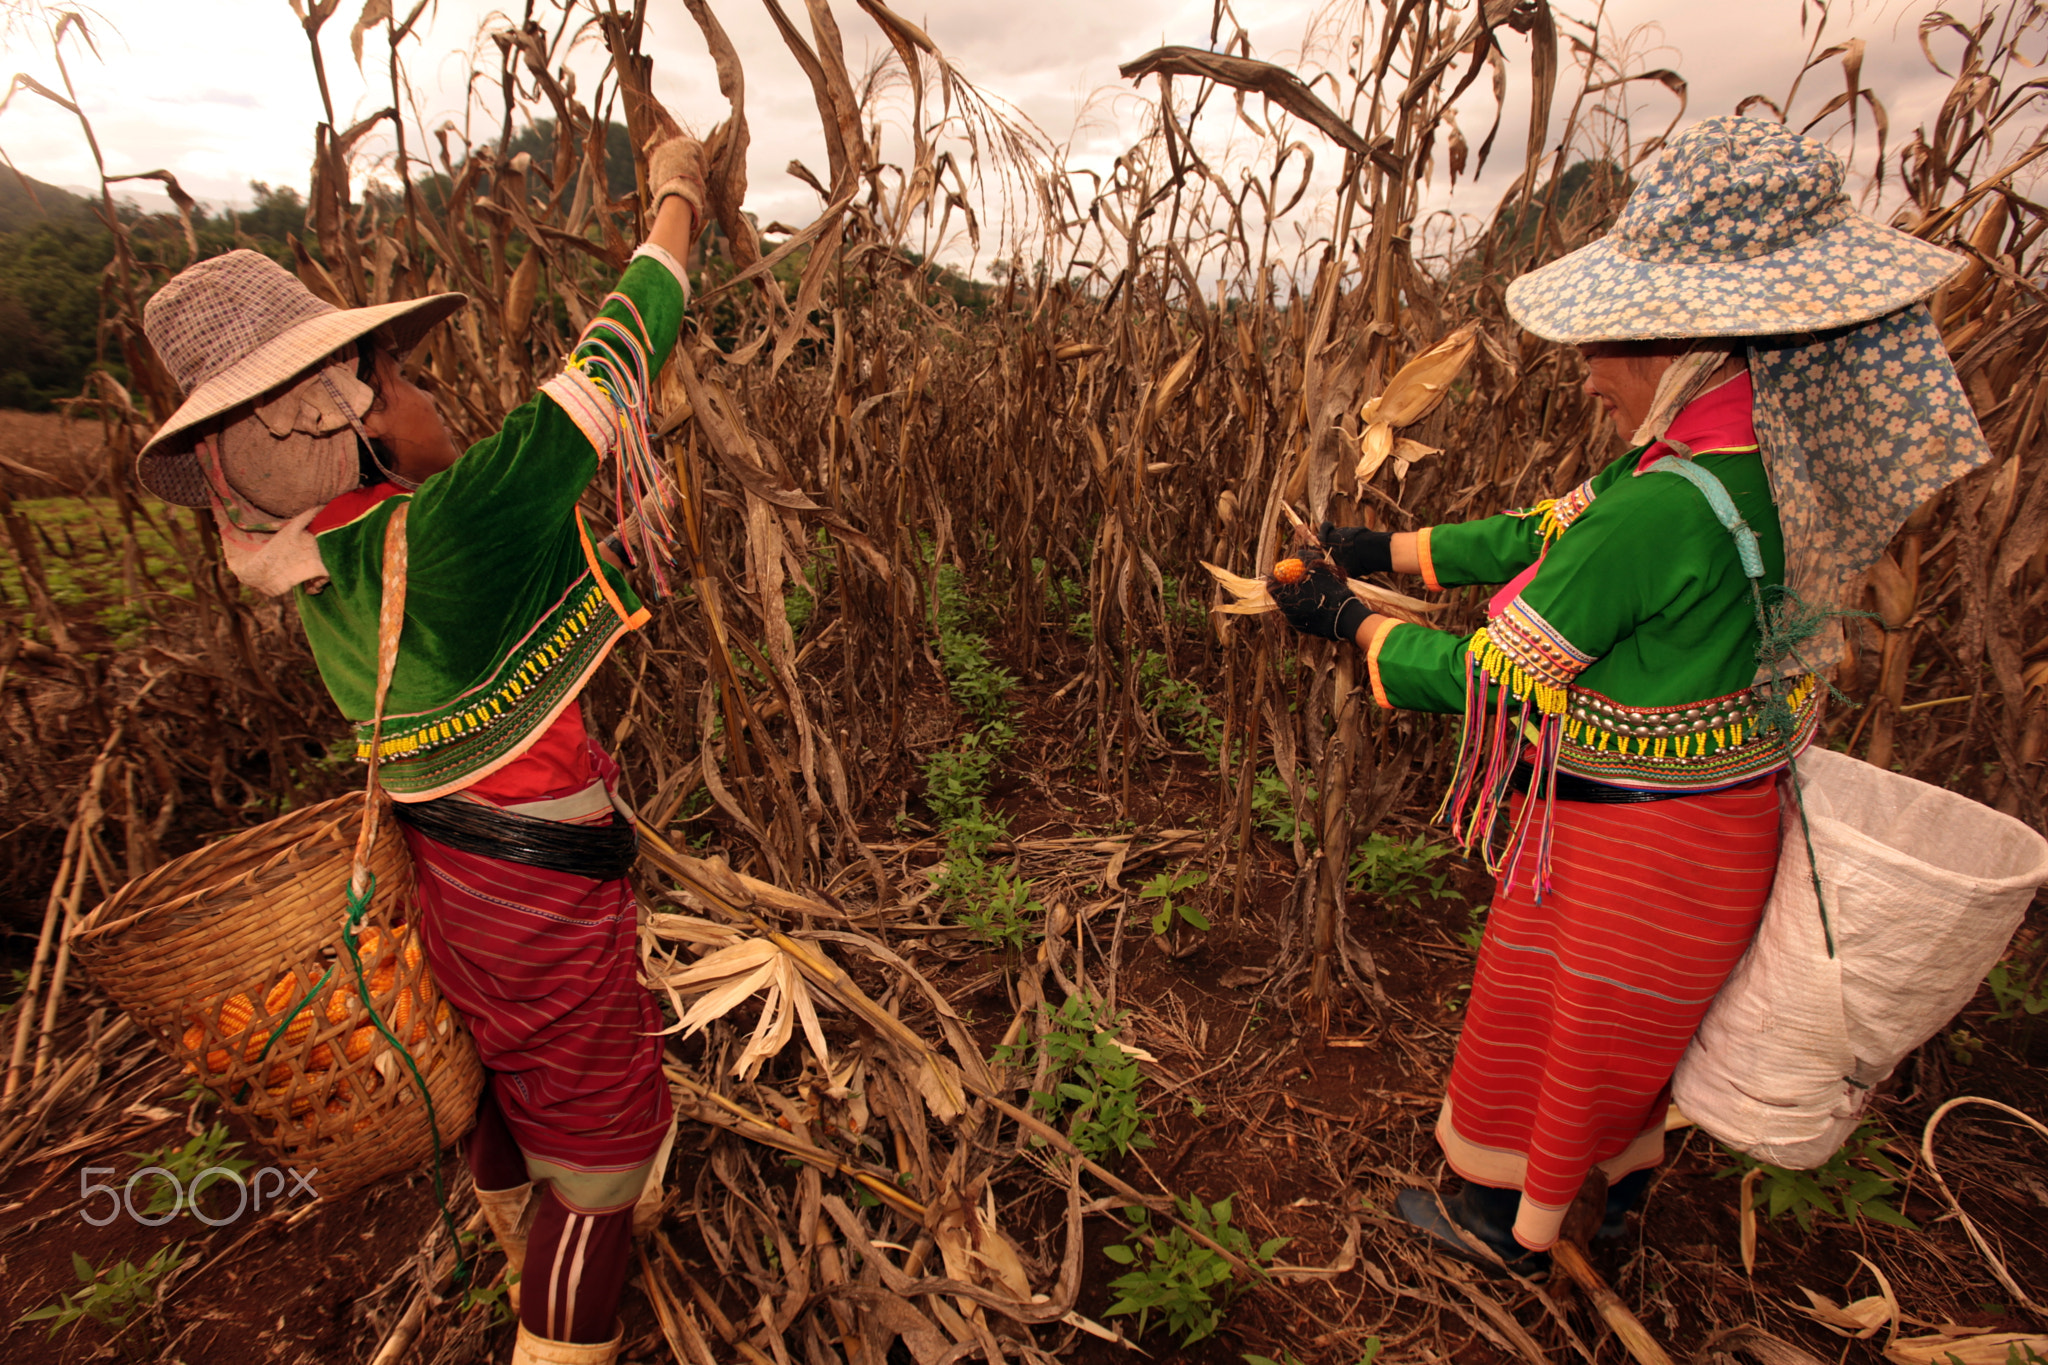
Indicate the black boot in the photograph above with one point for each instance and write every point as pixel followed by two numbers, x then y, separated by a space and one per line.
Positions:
pixel 1487 1212
pixel 1621 1197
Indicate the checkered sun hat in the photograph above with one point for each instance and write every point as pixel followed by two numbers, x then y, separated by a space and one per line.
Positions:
pixel 1741 229
pixel 233 328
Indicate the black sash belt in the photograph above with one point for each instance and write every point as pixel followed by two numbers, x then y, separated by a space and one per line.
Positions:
pixel 600 852
pixel 1571 787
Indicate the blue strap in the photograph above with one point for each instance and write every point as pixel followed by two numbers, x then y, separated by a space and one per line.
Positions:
pixel 1716 494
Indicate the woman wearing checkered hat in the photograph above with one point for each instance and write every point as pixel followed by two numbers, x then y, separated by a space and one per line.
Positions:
pixel 303 433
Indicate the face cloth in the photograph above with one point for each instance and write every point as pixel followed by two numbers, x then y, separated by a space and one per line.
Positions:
pixel 293 453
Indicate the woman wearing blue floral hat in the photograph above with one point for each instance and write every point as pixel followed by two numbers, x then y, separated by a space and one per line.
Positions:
pixel 1625 723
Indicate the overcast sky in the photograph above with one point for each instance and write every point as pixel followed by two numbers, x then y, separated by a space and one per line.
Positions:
pixel 220 92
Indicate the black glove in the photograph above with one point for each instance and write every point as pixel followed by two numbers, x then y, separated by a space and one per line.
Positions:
pixel 1357 550
pixel 1319 604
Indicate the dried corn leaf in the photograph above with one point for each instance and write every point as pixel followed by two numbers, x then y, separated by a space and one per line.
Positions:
pixel 722 1001
pixel 1421 384
pixel 698 933
pixel 973 1250
pixel 1861 1319
pixel 1942 1348
pixel 736 973
pixel 1375 444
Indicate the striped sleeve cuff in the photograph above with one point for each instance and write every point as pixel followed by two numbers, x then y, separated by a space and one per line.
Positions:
pixel 667 260
pixel 1372 660
pixel 588 406
pixel 1427 564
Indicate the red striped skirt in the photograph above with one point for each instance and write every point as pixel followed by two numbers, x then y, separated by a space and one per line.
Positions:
pixel 544 969
pixel 1583 1004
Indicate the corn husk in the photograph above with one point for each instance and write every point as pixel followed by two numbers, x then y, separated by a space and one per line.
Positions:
pixel 1964 1348
pixel 733 974
pixel 1253 599
pixel 1410 396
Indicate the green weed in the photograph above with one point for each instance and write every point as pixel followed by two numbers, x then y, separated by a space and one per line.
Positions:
pixel 1006 916
pixel 493 1299
pixel 1400 871
pixel 976 682
pixel 2016 994
pixel 1859 1181
pixel 109 1297
pixel 1094 1081
pixel 956 779
pixel 1172 913
pixel 83 543
pixel 1274 811
pixel 1188 1285
pixel 210 1150
pixel 1182 708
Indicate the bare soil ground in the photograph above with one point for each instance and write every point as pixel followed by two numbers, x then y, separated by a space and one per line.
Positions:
pixel 1311 1131
pixel 1311 1127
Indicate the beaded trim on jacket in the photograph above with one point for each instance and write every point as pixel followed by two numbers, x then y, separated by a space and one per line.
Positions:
pixel 424 752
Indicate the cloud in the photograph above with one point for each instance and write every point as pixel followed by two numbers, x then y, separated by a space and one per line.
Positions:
pixel 232 99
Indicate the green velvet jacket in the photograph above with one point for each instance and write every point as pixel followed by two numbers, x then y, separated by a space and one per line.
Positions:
pixel 1630 627
pixel 507 610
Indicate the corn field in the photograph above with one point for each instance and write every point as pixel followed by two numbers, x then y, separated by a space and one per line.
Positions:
pixel 1174 351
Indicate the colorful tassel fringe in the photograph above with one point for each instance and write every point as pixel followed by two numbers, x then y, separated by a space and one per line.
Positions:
pixel 615 360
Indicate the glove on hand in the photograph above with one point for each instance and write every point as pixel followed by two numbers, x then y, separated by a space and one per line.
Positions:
pixel 1358 551
pixel 1319 604
pixel 676 167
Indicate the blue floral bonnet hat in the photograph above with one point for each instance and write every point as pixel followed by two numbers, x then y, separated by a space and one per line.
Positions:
pixel 1742 232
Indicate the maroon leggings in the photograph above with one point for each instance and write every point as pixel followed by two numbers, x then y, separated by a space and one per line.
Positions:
pixel 576 1259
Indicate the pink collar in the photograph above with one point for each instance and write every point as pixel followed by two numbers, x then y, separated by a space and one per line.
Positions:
pixel 1718 419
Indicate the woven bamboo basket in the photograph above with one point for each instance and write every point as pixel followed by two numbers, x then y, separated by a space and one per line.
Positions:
pixel 212 952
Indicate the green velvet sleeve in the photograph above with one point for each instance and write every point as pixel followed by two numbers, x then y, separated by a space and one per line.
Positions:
pixel 1490 550
pixel 1495 549
pixel 478 519
pixel 1419 669
pixel 505 510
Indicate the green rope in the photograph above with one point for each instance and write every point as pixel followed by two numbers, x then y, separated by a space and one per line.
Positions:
pixel 284 1024
pixel 1778 718
pixel 358 906
pixel 1780 631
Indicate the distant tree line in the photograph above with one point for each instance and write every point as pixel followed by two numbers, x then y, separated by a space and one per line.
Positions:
pixel 55 251
pixel 54 254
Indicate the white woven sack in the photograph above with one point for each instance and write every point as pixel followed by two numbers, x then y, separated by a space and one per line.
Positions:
pixel 1924 890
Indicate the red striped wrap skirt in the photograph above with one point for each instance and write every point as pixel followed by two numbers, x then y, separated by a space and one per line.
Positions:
pixel 1582 1004
pixel 544 969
